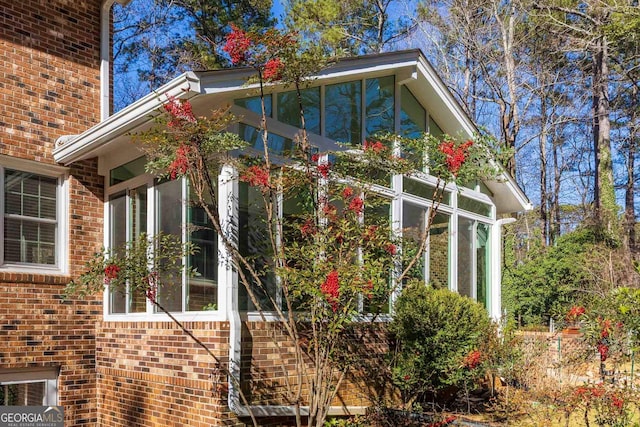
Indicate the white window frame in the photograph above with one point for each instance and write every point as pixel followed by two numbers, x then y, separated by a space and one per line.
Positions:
pixel 149 314
pixel 61 174
pixel 31 376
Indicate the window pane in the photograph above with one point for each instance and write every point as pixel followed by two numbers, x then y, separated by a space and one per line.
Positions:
pixel 30 195
pixel 253 243
pixel 474 206
pixel 439 251
pixel 413 226
pixel 413 116
pixel 434 128
pixel 29 242
pixel 343 109
pixel 138 225
pixel 378 213
pixel 465 256
pixel 421 189
pixel 23 394
pixel 289 110
pixel 169 221
pixel 117 239
pixel 482 263
pixel 127 171
pixel 253 104
pixel 202 288
pixel 379 110
pixel 277 144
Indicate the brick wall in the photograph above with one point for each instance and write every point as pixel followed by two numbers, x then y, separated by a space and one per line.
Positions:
pixel 49 87
pixel 152 373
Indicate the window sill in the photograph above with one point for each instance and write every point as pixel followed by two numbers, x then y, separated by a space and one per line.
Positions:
pixel 191 316
pixel 33 276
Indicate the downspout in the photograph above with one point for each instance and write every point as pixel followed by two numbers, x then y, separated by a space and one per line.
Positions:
pixel 105 56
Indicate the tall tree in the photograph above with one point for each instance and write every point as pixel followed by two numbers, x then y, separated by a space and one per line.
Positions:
pixel 586 26
pixel 485 41
pixel 350 27
pixel 154 40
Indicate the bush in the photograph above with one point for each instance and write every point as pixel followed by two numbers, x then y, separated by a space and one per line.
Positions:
pixel 441 338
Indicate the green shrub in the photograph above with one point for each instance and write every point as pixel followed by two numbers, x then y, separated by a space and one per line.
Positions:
pixel 441 338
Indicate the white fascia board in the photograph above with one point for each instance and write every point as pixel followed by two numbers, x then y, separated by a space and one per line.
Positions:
pixel 71 149
pixel 444 94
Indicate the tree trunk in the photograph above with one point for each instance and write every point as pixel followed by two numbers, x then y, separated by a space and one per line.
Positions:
pixel 555 230
pixel 629 207
pixel 544 218
pixel 605 208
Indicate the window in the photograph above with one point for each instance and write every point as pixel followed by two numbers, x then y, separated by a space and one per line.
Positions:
pixel 439 255
pixel 379 109
pixel 277 144
pixel 128 219
pixel 343 109
pixel 423 190
pixel 28 387
pixel 253 104
pixel 142 205
pixel 474 206
pixel 289 108
pixel 473 259
pixel 413 116
pixel 32 229
pixel 254 244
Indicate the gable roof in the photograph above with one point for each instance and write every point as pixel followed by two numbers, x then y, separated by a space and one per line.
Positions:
pixel 220 87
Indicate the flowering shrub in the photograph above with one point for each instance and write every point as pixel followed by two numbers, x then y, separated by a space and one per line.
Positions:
pixel 609 405
pixel 440 334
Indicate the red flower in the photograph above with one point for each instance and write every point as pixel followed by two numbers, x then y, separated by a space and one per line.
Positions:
pixel 315 158
pixel 273 70
pixel 617 402
pixel 472 360
pixel 331 289
pixel 237 45
pixel 111 272
pixel 256 176
pixel 370 233
pixel 324 169
pixel 180 164
pixel 606 328
pixel 598 390
pixel 391 249
pixel 377 147
pixel 575 312
pixel 152 286
pixel 603 349
pixel 455 156
pixel 180 111
pixel 347 192
pixel 407 377
pixel 329 210
pixel 356 205
pixel 308 228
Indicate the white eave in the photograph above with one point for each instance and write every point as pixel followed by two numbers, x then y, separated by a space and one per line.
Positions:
pixel 97 139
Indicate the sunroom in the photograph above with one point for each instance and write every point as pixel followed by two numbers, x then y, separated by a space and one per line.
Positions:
pixel 346 103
